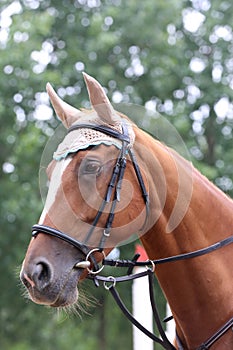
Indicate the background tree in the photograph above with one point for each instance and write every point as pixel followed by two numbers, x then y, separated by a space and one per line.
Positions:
pixel 172 57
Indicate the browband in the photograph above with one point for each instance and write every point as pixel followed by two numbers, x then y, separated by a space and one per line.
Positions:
pixel 102 128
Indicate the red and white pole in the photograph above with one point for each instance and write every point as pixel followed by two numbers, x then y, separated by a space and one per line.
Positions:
pixel 142 310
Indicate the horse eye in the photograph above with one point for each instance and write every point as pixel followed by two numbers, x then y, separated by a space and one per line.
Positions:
pixel 92 167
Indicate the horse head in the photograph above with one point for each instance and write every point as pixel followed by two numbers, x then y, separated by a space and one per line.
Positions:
pixel 94 202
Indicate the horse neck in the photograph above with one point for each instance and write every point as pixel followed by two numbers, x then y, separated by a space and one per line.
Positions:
pixel 194 288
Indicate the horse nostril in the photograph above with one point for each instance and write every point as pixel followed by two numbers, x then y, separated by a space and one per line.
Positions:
pixel 37 274
pixel 42 272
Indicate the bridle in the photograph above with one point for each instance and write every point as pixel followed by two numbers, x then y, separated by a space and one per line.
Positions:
pixel 113 195
pixel 113 191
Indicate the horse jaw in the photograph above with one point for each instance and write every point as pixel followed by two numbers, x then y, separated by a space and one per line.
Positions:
pixel 65 112
pixel 100 101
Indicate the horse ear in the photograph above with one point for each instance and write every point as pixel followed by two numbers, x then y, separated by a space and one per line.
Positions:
pixel 99 100
pixel 65 112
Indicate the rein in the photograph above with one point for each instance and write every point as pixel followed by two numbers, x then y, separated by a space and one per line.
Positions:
pixel 110 283
pixel 113 191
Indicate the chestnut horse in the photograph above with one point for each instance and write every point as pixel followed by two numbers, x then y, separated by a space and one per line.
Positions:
pixel 158 195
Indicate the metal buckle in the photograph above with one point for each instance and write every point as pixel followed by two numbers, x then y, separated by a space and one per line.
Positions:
pixel 152 267
pixel 111 281
pixel 88 256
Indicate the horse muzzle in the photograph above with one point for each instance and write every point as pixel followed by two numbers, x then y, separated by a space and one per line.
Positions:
pixel 49 287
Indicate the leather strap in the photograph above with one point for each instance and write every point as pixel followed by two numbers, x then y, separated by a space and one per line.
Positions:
pixel 102 128
pixel 185 256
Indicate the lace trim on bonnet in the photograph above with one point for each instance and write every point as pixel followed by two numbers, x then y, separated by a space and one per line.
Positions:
pixel 84 137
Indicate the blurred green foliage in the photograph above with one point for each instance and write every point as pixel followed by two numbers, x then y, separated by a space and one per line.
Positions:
pixel 172 56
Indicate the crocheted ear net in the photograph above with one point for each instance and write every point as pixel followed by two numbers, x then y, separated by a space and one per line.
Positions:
pixel 84 137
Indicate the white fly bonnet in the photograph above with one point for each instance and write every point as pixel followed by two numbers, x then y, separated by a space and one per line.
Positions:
pixel 84 137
